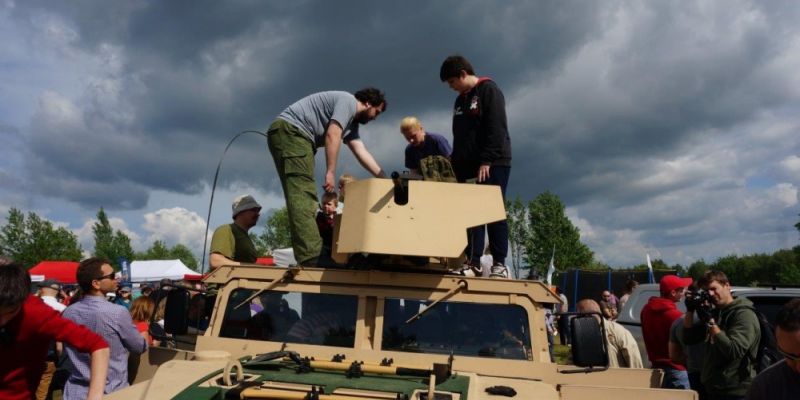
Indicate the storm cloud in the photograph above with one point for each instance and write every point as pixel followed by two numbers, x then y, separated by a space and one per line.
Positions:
pixel 665 127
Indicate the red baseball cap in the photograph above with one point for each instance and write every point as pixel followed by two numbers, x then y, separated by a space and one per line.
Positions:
pixel 671 282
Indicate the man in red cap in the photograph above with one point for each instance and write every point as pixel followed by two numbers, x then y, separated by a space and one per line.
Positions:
pixel 657 317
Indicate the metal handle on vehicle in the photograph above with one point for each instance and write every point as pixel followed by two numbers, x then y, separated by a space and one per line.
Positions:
pixel 226 373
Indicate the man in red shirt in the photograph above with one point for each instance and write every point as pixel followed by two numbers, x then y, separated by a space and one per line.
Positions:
pixel 27 327
pixel 657 317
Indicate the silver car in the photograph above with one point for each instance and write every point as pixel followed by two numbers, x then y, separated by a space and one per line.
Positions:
pixel 767 300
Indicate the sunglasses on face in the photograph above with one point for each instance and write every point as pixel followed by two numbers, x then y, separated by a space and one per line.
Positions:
pixel 109 276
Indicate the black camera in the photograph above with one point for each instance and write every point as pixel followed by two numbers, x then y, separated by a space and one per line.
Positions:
pixel 700 302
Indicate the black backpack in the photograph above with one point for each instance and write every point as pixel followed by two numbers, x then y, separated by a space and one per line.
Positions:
pixel 767 353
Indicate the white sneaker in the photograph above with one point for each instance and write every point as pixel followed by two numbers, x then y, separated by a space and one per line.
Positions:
pixel 498 271
pixel 468 270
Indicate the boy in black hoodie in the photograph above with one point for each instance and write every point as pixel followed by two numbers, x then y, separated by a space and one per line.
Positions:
pixel 481 153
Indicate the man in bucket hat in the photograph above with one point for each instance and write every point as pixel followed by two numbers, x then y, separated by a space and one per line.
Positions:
pixel 48 290
pixel 231 244
pixel 657 317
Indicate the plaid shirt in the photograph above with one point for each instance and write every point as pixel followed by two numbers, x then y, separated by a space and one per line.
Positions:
pixel 114 324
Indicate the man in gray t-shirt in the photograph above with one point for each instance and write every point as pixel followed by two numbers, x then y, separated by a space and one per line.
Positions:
pixel 689 355
pixel 322 119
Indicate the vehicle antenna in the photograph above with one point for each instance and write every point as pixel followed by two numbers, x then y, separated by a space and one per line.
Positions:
pixel 213 188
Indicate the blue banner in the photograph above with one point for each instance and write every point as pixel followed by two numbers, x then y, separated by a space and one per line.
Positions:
pixel 126 270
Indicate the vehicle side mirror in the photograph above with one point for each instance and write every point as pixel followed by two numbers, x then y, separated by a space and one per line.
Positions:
pixel 588 342
pixel 157 332
pixel 176 311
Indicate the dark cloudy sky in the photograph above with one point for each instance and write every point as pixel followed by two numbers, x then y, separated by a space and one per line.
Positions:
pixel 666 127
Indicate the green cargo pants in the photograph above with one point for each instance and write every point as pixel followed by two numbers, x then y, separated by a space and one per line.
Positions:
pixel 293 153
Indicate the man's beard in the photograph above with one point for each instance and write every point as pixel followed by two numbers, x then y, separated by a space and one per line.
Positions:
pixel 361 118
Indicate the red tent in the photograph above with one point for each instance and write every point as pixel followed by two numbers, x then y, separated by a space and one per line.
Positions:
pixel 63 271
pixel 194 277
pixel 265 261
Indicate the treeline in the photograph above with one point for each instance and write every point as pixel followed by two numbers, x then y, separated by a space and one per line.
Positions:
pixel 538 231
pixel 32 239
pixel 779 268
pixel 539 228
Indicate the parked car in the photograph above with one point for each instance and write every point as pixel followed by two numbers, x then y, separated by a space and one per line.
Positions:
pixel 767 300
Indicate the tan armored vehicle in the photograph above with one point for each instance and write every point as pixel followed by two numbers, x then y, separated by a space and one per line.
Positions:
pixel 401 328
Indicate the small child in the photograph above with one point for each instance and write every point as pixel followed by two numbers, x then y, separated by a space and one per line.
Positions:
pixel 142 310
pixel 325 219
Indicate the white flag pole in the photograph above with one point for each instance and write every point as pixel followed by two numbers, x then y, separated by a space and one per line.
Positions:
pixel 551 268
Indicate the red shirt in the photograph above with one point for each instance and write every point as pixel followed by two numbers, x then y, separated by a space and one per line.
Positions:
pixel 144 326
pixel 32 330
pixel 657 318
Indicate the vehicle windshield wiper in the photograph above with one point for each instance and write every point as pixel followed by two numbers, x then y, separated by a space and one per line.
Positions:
pixel 460 286
pixel 292 355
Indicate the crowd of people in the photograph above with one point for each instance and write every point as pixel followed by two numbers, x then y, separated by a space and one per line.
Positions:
pixel 75 341
pixel 714 348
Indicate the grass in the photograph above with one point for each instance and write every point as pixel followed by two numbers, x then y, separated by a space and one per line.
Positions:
pixel 562 354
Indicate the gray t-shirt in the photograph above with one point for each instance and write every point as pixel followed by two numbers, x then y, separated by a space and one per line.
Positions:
pixel 313 113
pixel 778 382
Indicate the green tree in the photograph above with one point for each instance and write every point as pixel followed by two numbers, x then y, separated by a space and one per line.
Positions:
pixel 35 239
pixel 186 256
pixel 797 225
pixel 276 233
pixel 517 217
pixel 13 238
pixel 698 268
pixel 108 243
pixel 596 266
pixel 549 227
pixel 157 251
pixel 160 251
pixel 658 265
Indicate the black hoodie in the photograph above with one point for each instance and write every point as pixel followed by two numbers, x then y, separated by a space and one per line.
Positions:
pixel 480 130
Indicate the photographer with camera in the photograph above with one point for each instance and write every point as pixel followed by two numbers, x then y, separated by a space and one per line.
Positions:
pixel 730 333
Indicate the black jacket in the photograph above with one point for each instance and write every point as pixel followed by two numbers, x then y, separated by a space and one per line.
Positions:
pixel 480 130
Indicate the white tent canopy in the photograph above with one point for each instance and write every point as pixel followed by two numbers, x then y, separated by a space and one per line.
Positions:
pixel 155 270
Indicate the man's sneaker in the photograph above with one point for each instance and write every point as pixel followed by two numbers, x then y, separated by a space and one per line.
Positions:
pixel 498 270
pixel 468 270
